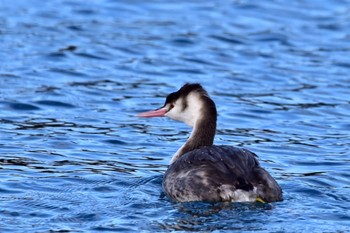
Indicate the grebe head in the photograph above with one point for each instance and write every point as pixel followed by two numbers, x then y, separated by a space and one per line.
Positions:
pixel 187 105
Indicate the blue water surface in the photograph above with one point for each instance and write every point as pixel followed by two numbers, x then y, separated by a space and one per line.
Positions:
pixel 73 75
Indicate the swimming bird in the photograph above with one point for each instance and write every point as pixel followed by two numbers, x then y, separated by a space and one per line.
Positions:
pixel 201 171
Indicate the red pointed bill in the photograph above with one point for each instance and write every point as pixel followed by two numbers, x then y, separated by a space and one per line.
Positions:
pixel 154 113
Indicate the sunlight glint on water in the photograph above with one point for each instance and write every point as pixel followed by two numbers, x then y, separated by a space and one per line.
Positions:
pixel 73 75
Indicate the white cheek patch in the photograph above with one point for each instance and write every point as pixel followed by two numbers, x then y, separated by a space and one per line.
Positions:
pixel 190 114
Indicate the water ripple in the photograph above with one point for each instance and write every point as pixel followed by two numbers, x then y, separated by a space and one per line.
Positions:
pixel 74 74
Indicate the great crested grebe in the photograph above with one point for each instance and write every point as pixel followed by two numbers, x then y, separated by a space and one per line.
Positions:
pixel 201 171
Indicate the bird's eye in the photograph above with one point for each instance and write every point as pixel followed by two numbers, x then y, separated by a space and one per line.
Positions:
pixel 171 106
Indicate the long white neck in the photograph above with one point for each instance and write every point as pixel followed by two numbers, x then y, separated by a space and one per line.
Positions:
pixel 202 135
pixel 182 149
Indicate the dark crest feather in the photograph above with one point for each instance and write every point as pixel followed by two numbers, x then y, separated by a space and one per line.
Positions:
pixel 184 91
